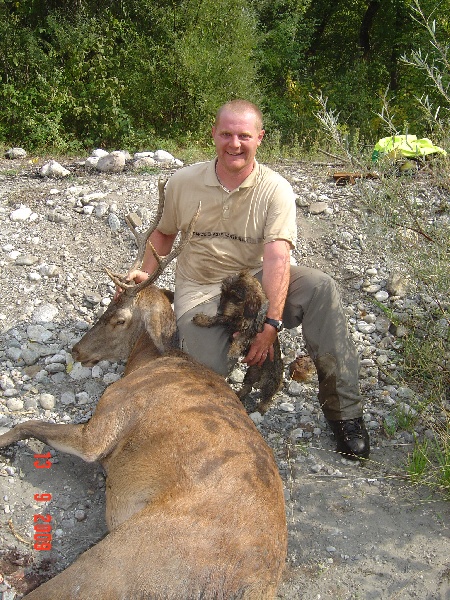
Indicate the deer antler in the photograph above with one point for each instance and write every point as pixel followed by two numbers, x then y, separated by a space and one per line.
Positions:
pixel 142 239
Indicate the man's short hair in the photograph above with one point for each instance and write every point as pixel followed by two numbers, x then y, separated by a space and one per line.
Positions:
pixel 241 106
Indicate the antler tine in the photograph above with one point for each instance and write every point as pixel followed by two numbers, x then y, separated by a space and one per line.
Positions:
pixel 119 280
pixel 141 238
pixel 163 261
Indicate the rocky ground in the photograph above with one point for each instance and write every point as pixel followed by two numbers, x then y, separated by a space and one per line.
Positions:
pixel 355 531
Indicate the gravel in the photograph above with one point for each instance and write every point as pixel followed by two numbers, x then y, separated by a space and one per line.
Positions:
pixel 356 531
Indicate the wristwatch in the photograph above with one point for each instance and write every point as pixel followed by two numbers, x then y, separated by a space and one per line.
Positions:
pixel 277 324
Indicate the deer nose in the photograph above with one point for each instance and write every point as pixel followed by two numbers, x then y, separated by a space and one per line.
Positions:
pixel 78 356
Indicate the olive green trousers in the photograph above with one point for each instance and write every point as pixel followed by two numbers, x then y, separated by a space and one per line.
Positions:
pixel 314 302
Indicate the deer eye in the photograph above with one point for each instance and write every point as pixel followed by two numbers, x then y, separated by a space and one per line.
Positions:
pixel 120 322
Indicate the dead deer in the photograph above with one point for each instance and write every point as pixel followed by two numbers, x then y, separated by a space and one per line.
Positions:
pixel 242 309
pixel 194 500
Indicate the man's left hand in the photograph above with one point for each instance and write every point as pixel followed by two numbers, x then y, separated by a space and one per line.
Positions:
pixel 262 347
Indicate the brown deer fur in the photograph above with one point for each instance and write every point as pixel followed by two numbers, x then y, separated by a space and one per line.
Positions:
pixel 243 308
pixel 194 500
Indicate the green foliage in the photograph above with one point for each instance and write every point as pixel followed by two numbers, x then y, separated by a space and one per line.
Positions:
pixel 120 75
pixel 75 75
pixel 429 463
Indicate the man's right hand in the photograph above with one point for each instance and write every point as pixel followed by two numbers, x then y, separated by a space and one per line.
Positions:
pixel 137 276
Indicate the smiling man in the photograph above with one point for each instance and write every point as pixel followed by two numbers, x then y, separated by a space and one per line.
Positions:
pixel 248 221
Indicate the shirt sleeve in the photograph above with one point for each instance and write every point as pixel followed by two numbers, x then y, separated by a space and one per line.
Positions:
pixel 281 222
pixel 168 223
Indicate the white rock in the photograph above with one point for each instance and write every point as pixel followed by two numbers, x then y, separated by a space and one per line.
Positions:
pixel 97 372
pixel 93 196
pixel 21 214
pixel 15 153
pixel 114 222
pixel 34 277
pixel 236 376
pixel 47 401
pixel 79 372
pixel 6 383
pixel 91 162
pixel 287 407
pixel 112 163
pixel 256 417
pixel 295 388
pixel 14 404
pixel 53 169
pixel 372 288
pixel 141 163
pixel 364 327
pixel 139 155
pixel 381 296
pixel 38 333
pixel 49 270
pixel 45 313
pixel 101 209
pixel 316 208
pixel 162 156
pixel 99 152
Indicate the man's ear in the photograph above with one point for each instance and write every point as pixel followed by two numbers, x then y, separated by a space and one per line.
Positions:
pixel 260 136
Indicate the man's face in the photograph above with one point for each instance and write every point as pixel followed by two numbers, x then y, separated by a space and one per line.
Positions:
pixel 237 138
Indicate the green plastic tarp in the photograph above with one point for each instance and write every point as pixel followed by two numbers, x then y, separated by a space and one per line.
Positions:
pixel 406 145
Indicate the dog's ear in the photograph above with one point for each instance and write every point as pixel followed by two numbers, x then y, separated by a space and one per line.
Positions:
pixel 252 305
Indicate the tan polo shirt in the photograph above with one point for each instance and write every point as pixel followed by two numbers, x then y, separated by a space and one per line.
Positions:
pixel 231 229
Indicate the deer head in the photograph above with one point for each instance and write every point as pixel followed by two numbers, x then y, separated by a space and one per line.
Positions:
pixel 139 307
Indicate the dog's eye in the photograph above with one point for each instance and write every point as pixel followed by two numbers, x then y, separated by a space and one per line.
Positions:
pixel 239 295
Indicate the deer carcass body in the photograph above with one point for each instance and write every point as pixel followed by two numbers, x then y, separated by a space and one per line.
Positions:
pixel 194 500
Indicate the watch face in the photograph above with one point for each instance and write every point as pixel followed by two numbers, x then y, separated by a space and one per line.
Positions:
pixel 277 324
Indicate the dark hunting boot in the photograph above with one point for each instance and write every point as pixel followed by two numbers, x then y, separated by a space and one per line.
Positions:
pixel 343 413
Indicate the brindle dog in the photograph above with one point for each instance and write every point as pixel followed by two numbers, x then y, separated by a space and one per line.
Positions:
pixel 243 308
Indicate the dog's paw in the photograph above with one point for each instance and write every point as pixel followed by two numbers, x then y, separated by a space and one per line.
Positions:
pixel 203 320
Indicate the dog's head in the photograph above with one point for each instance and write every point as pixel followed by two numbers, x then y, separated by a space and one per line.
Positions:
pixel 241 297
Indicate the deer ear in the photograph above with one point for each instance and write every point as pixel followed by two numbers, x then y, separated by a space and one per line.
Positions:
pixel 160 324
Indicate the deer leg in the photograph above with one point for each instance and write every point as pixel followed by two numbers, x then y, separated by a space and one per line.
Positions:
pixel 68 438
pixel 90 441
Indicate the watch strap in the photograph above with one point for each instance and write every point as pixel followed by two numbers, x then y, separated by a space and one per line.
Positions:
pixel 277 324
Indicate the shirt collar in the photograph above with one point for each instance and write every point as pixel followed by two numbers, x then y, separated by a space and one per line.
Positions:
pixel 211 178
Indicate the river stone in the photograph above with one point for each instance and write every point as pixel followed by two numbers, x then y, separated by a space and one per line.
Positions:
pixel 47 401
pixel 15 153
pixel 14 404
pixel 21 214
pixel 45 313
